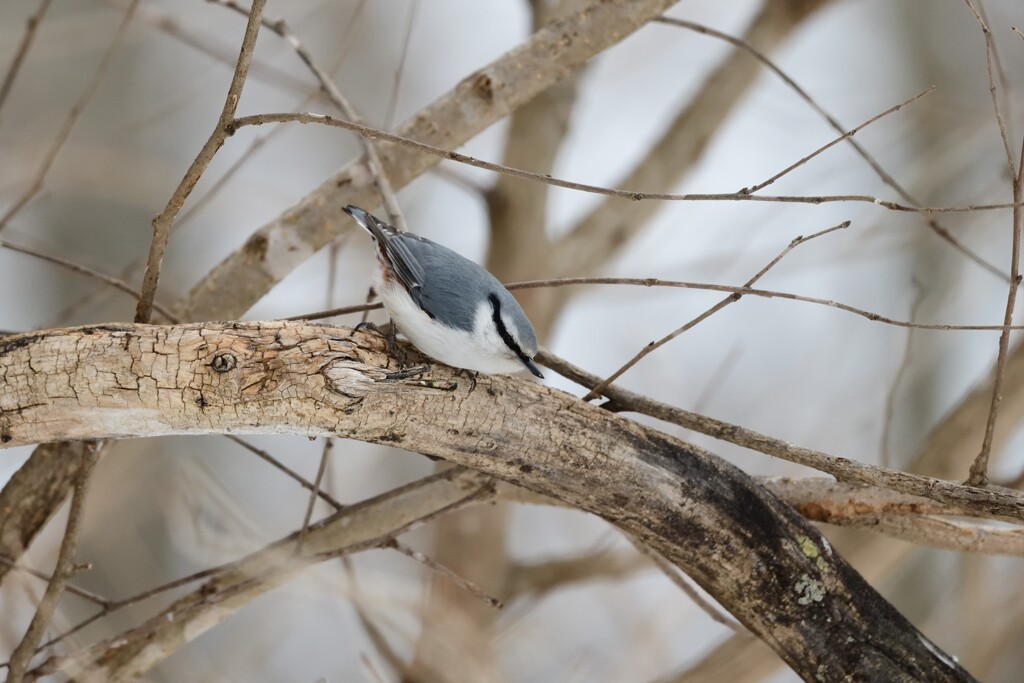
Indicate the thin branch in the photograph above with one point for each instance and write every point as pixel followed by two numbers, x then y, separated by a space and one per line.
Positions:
pixel 979 469
pixel 487 95
pixel 410 21
pixel 31 26
pixel 88 272
pixel 237 165
pixel 700 286
pixel 765 293
pixel 324 455
pixel 162 222
pixel 675 576
pixel 280 27
pixel 997 503
pixel 890 399
pixel 334 312
pixel 71 119
pixel 993 91
pixel 63 572
pixel 835 141
pixel 650 348
pixel 592 240
pixel 70 588
pixel 284 468
pixel 939 229
pixel 438 568
pixel 115 605
pixel 377 134
pixel 211 45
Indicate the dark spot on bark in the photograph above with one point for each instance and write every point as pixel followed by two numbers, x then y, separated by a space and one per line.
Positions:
pixel 5 436
pixel 257 246
pixel 20 342
pixel 491 392
pixel 391 437
pixel 484 87
pixel 223 362
pixel 526 469
pixel 201 401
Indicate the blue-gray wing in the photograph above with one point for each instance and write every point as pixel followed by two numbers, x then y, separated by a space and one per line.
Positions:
pixel 404 264
pixel 407 267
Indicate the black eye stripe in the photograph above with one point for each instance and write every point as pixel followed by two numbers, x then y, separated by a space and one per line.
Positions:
pixel 502 330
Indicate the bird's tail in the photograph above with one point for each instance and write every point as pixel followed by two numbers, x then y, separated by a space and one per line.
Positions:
pixel 377 228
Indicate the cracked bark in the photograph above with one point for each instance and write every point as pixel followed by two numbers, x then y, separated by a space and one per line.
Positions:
pixel 770 568
pixel 277 248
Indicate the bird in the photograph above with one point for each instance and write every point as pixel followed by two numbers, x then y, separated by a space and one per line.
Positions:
pixel 449 307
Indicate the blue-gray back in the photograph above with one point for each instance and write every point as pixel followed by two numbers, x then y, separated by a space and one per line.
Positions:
pixel 455 287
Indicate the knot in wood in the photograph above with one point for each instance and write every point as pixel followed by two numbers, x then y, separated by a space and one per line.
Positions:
pixel 223 362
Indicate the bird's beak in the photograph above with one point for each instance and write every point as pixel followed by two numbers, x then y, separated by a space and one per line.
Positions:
pixel 528 362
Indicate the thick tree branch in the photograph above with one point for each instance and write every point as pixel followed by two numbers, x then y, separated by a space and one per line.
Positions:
pixel 770 568
pixel 481 99
pixel 364 525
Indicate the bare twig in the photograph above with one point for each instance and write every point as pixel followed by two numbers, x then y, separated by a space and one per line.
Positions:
pixel 650 348
pixel 324 455
pixel 31 26
pixel 284 468
pixel 845 136
pixel 677 579
pixel 993 91
pixel 84 270
pixel 438 568
pixel 162 223
pixel 218 185
pixel 377 134
pixel 701 286
pixel 211 44
pixel 115 605
pixel 63 572
pixel 410 21
pixel 979 469
pixel 71 119
pixel 593 239
pixel 873 163
pixel 70 588
pixel 280 27
pixel 890 400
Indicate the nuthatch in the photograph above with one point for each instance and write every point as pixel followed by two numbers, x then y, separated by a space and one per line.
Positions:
pixel 449 307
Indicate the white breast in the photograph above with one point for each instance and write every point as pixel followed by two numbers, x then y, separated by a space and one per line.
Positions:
pixel 481 350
